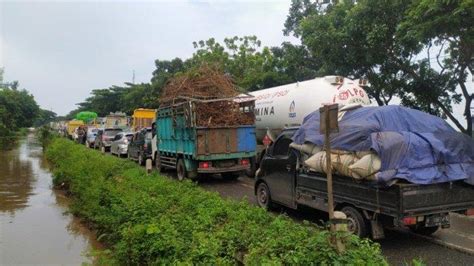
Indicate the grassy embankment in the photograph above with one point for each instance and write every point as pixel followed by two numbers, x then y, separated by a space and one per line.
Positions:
pixel 156 220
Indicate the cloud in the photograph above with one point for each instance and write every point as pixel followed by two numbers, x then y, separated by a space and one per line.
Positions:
pixel 60 51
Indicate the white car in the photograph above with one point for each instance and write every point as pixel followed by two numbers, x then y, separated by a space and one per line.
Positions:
pixel 120 143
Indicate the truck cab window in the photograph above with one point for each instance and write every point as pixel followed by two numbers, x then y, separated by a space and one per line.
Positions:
pixel 281 146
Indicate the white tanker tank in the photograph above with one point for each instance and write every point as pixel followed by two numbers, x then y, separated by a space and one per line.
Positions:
pixel 287 105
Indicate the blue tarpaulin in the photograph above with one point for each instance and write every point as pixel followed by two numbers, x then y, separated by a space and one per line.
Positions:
pixel 412 145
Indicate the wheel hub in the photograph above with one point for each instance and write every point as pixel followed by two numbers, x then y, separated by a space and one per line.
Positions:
pixel 351 225
pixel 263 196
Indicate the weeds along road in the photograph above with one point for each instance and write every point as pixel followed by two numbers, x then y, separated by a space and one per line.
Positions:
pixel 399 247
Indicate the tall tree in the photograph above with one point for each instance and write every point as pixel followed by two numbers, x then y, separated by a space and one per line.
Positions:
pixel 448 26
pixel 389 42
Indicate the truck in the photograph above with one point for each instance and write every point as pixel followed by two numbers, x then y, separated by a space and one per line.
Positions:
pixel 286 106
pixel 71 127
pixel 369 209
pixel 181 143
pixel 143 118
pixel 116 120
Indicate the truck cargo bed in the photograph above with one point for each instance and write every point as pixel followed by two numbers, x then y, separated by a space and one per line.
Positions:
pixel 398 200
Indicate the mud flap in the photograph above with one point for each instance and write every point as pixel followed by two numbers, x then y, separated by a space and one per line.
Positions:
pixel 377 229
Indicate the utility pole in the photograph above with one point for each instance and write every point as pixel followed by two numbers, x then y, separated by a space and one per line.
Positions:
pixel 329 124
pixel 133 77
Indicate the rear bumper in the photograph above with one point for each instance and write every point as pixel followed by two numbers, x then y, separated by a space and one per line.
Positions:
pixel 122 149
pixel 215 170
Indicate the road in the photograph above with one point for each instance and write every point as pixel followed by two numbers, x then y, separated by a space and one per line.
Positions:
pixel 400 247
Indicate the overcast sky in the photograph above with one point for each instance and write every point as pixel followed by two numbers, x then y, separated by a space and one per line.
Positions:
pixel 60 51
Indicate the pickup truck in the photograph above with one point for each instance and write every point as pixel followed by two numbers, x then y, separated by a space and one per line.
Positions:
pixel 282 179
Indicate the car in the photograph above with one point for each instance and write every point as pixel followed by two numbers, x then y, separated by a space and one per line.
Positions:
pixel 91 135
pixel 104 138
pixel 139 148
pixel 120 142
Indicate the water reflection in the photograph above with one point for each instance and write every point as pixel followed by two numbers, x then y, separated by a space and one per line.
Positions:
pixel 15 180
pixel 35 227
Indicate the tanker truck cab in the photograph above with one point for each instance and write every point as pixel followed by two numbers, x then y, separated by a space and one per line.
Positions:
pixel 286 106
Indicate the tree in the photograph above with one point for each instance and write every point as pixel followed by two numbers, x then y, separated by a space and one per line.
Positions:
pixel 18 109
pixel 447 25
pixel 44 117
pixel 164 70
pixel 251 66
pixel 386 42
pixel 294 63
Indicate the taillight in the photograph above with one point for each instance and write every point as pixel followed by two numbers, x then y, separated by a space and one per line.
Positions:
pixel 470 212
pixel 204 164
pixel 409 220
pixel 244 162
pixel 266 141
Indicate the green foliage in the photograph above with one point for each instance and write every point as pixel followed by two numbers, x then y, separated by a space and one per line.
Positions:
pixel 18 109
pixel 44 117
pixel 394 44
pixel 45 135
pixel 155 220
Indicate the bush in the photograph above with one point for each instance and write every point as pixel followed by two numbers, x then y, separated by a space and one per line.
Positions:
pixel 45 135
pixel 156 220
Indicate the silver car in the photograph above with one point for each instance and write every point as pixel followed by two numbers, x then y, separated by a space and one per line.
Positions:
pixel 120 142
pixel 91 134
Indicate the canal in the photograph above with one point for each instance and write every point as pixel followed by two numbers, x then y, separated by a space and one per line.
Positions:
pixel 35 227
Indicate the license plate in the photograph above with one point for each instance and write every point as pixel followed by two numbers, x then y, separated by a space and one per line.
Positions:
pixel 436 220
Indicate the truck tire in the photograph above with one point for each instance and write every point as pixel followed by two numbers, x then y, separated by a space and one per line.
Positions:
pixel 181 170
pixel 230 176
pixel 253 168
pixel 423 230
pixel 158 165
pixel 263 195
pixel 356 222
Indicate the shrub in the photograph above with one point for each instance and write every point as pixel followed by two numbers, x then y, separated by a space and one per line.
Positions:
pixel 150 219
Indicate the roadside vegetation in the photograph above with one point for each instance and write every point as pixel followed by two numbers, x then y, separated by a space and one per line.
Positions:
pixel 18 111
pixel 151 219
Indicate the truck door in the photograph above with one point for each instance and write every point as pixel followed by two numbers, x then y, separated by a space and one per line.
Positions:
pixel 280 168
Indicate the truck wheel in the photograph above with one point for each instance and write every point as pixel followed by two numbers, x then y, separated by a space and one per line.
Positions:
pixel 423 230
pixel 158 163
pixel 231 176
pixel 140 159
pixel 181 170
pixel 253 168
pixel 356 222
pixel 264 198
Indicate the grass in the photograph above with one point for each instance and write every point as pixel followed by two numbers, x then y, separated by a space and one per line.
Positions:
pixel 151 219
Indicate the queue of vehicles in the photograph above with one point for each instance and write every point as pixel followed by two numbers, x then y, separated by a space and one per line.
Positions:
pixel 171 139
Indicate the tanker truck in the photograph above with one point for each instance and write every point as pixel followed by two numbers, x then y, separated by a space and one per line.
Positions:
pixel 286 106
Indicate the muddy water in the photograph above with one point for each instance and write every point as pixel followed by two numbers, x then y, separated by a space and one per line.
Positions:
pixel 34 225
